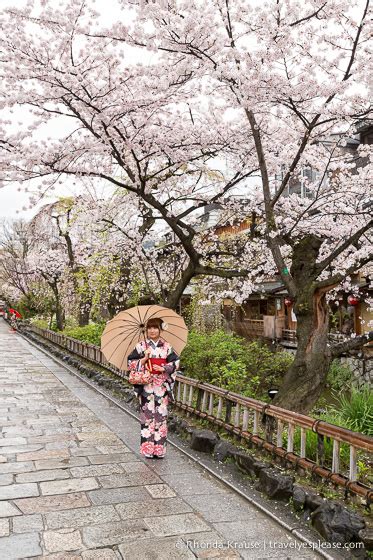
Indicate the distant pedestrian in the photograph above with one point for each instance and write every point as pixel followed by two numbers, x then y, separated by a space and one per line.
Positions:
pixel 13 321
pixel 156 395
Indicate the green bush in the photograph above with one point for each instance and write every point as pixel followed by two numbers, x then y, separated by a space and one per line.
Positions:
pixel 339 376
pixel 44 324
pixel 89 333
pixel 230 362
pixel 41 323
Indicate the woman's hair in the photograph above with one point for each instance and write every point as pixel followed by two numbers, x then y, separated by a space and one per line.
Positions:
pixel 157 323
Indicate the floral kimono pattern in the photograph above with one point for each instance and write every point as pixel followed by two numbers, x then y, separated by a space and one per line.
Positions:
pixel 155 396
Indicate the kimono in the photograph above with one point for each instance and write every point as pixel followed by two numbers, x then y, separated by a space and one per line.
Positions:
pixel 155 396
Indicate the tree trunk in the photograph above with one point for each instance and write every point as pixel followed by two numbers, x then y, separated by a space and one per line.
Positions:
pixel 174 297
pixel 306 377
pixel 60 318
pixel 84 312
pixel 83 295
pixel 60 314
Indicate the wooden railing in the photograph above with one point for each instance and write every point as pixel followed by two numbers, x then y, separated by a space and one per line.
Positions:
pixel 255 327
pixel 243 416
pixel 289 335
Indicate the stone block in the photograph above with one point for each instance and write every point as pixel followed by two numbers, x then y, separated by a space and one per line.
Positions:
pixel 276 485
pixel 16 547
pixel 8 510
pixel 118 495
pixel 75 518
pixel 108 449
pixel 18 491
pixel 44 455
pixel 218 508
pixel 61 463
pixel 62 540
pixel 130 479
pixel 20 450
pixel 52 503
pixel 41 476
pixel 97 470
pixel 223 450
pixel 28 524
pixel 336 523
pixel 6 479
pixel 160 491
pixel 187 484
pixel 110 534
pixel 245 462
pixel 167 506
pixel 169 525
pixel 67 486
pixel 160 548
pixel 204 440
pixel 9 441
pixel 299 498
pixel 111 458
pixel 4 527
pixel 61 556
pixel 313 501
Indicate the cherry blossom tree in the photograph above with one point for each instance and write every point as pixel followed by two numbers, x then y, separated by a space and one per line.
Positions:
pixel 132 125
pixel 32 268
pixel 61 217
pixel 295 76
pixel 274 91
pixel 15 245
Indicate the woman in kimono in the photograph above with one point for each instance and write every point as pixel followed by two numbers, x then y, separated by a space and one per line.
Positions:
pixel 155 396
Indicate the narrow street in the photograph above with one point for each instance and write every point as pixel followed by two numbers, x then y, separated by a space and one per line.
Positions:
pixel 73 486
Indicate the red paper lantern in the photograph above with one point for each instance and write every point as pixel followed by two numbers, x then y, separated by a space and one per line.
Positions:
pixel 288 302
pixel 353 300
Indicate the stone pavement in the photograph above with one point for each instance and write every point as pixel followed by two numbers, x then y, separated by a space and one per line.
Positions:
pixel 73 486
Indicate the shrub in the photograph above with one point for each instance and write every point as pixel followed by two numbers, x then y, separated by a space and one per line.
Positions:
pixel 339 375
pixel 44 324
pixel 89 333
pixel 229 361
pixel 41 323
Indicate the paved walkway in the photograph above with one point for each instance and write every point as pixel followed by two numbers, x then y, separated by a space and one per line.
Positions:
pixel 72 485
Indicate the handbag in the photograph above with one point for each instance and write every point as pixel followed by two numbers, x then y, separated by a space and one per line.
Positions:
pixel 139 377
pixel 155 361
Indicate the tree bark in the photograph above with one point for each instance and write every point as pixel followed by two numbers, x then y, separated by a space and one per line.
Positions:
pixel 60 314
pixel 175 296
pixel 306 377
pixel 84 312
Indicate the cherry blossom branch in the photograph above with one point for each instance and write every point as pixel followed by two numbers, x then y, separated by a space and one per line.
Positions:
pixel 347 243
pixel 352 344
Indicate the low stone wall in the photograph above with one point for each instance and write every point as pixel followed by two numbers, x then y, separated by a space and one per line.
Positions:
pixel 362 369
pixel 331 518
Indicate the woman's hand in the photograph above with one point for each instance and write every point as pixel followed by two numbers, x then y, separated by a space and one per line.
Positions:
pixel 156 367
pixel 146 357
